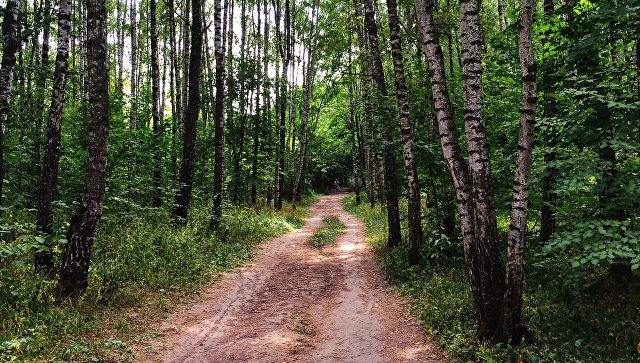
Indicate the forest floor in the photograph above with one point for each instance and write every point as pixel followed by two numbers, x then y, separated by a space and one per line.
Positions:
pixel 296 303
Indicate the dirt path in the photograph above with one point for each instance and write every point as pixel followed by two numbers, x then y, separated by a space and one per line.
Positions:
pixel 295 303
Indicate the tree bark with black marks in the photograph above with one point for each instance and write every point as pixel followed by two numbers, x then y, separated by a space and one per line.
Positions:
pixel 391 192
pixel 133 117
pixel 10 43
pixel 74 268
pixel 155 106
pixel 483 263
pixel 511 326
pixel 41 80
pixel 283 50
pixel 49 173
pixel 365 86
pixel 121 6
pixel 304 119
pixel 486 229
pixel 218 168
pixel 258 114
pixel 353 129
pixel 183 197
pixel 411 170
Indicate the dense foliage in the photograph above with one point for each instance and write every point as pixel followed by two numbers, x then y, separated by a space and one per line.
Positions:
pixel 293 95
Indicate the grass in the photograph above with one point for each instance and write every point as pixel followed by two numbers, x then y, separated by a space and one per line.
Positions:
pixel 141 267
pixel 568 323
pixel 327 234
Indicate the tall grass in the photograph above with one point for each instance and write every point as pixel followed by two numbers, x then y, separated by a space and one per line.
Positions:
pixel 139 263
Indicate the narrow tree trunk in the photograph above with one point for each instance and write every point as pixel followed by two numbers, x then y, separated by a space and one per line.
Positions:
pixel 304 121
pixel 391 192
pixel 352 126
pixel 155 107
pixel 43 74
pixel 365 86
pixel 547 213
pixel 185 63
pixel 501 18
pixel 218 168
pixel 134 66
pixel 411 171
pixel 257 123
pixel 183 197
pixel 49 175
pixel 74 268
pixel 122 14
pixel 486 229
pixel 10 43
pixel 283 49
pixel 511 327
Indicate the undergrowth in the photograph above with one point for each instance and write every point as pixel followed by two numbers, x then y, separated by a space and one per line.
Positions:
pixel 140 266
pixel 598 321
pixel 327 234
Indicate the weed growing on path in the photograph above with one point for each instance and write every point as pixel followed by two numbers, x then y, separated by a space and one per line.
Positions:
pixel 327 234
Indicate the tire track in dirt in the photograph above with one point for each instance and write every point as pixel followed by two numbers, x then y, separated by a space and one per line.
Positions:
pixel 296 303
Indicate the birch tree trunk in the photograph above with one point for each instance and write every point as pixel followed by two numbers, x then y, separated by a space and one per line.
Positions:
pixel 352 126
pixel 134 66
pixel 304 121
pixel 10 43
pixel 486 230
pixel 411 171
pixel 365 86
pixel 155 106
pixel 185 63
pixel 478 274
pixel 49 174
pixel 511 327
pixel 122 14
pixel 218 168
pixel 183 197
pixel 74 268
pixel 42 75
pixel 391 192
pixel 257 116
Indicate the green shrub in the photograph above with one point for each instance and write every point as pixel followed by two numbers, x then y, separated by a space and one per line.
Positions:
pixel 327 234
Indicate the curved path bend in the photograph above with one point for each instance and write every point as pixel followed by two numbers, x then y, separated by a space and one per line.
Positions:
pixel 296 303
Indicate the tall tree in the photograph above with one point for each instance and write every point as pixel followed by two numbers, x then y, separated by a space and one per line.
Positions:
pixel 391 191
pixel 547 212
pixel 512 328
pixel 218 168
pixel 74 268
pixel 49 174
pixel 411 171
pixel 487 307
pixel 155 106
pixel 304 120
pixel 134 64
pixel 42 75
pixel 183 197
pixel 11 43
pixel 485 225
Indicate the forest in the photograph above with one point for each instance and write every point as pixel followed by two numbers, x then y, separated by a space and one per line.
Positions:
pixel 489 151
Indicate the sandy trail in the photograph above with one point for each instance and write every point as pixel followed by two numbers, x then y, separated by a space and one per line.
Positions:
pixel 296 303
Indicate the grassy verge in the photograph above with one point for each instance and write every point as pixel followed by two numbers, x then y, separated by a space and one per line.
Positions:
pixel 141 267
pixel 327 234
pixel 597 323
